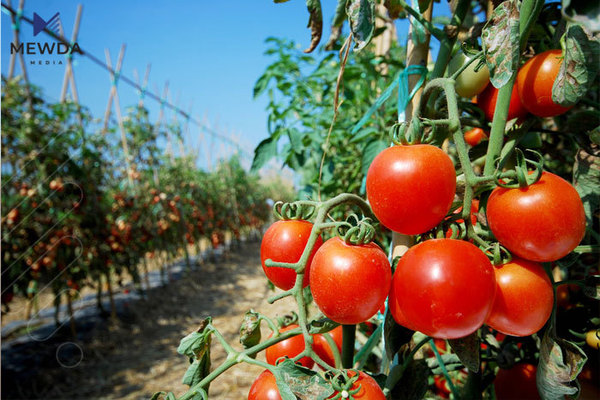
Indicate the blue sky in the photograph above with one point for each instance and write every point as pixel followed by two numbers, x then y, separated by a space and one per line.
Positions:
pixel 211 52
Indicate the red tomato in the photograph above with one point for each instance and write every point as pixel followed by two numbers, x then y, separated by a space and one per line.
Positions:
pixel 524 298
pixel 486 100
pixel 349 283
pixel 444 288
pixel 322 348
pixel 285 241
pixel 542 222
pixel 474 136
pixel 411 188
pixel 290 347
pixel 516 383
pixel 264 387
pixel 534 83
pixel 369 389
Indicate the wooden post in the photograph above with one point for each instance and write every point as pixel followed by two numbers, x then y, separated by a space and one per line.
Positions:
pixel 16 21
pixel 69 75
pixel 114 94
pixel 416 54
pixel 143 86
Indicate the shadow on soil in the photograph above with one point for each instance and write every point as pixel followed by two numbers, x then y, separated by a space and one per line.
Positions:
pixel 147 331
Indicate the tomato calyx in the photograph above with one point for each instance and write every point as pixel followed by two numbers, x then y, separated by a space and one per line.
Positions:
pixel 523 176
pixel 298 210
pixel 355 231
pixel 343 383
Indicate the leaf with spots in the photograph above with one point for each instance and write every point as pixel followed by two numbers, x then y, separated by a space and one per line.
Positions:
pixel 500 38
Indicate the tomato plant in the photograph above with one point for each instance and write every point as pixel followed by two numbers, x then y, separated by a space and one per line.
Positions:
pixel 284 241
pixel 542 222
pixel 264 387
pixel 349 283
pixel 534 84
pixel 288 348
pixel 411 188
pixel 524 298
pixel 421 299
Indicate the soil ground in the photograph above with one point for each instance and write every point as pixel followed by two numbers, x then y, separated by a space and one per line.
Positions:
pixel 136 356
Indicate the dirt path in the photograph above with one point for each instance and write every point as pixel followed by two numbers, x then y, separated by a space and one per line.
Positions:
pixel 137 356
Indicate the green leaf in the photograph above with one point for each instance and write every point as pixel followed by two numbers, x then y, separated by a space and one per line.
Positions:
pixel 413 384
pixel 579 67
pixel 265 150
pixel 582 11
pixel 294 381
pixel 295 137
pixel 193 374
pixel 560 363
pixel 196 343
pixel 361 15
pixel 467 350
pixel 250 329
pixel 423 5
pixel 261 84
pixel 395 336
pixel 586 179
pixel 336 24
pixel 322 326
pixel 315 23
pixel 373 148
pixel 500 39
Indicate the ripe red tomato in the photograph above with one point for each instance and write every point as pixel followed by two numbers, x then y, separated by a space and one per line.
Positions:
pixel 443 287
pixel 486 100
pixel 516 383
pixel 369 389
pixel 322 348
pixel 411 188
pixel 543 222
pixel 349 283
pixel 524 298
pixel 290 347
pixel 474 136
pixel 264 387
pixel 534 83
pixel 284 241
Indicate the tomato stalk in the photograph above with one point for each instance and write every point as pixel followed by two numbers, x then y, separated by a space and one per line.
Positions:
pixel 530 10
pixel 447 42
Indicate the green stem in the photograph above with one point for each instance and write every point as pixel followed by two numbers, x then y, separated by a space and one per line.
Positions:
pixel 334 349
pixel 348 339
pixel 530 10
pixel 435 32
pixel 447 43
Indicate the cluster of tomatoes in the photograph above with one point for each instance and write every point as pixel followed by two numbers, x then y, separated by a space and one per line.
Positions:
pixel 532 92
pixel 444 288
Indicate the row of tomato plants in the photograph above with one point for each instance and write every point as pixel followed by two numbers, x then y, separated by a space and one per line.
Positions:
pixel 75 214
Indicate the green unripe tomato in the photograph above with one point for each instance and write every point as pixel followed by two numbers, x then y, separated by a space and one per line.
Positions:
pixel 469 83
